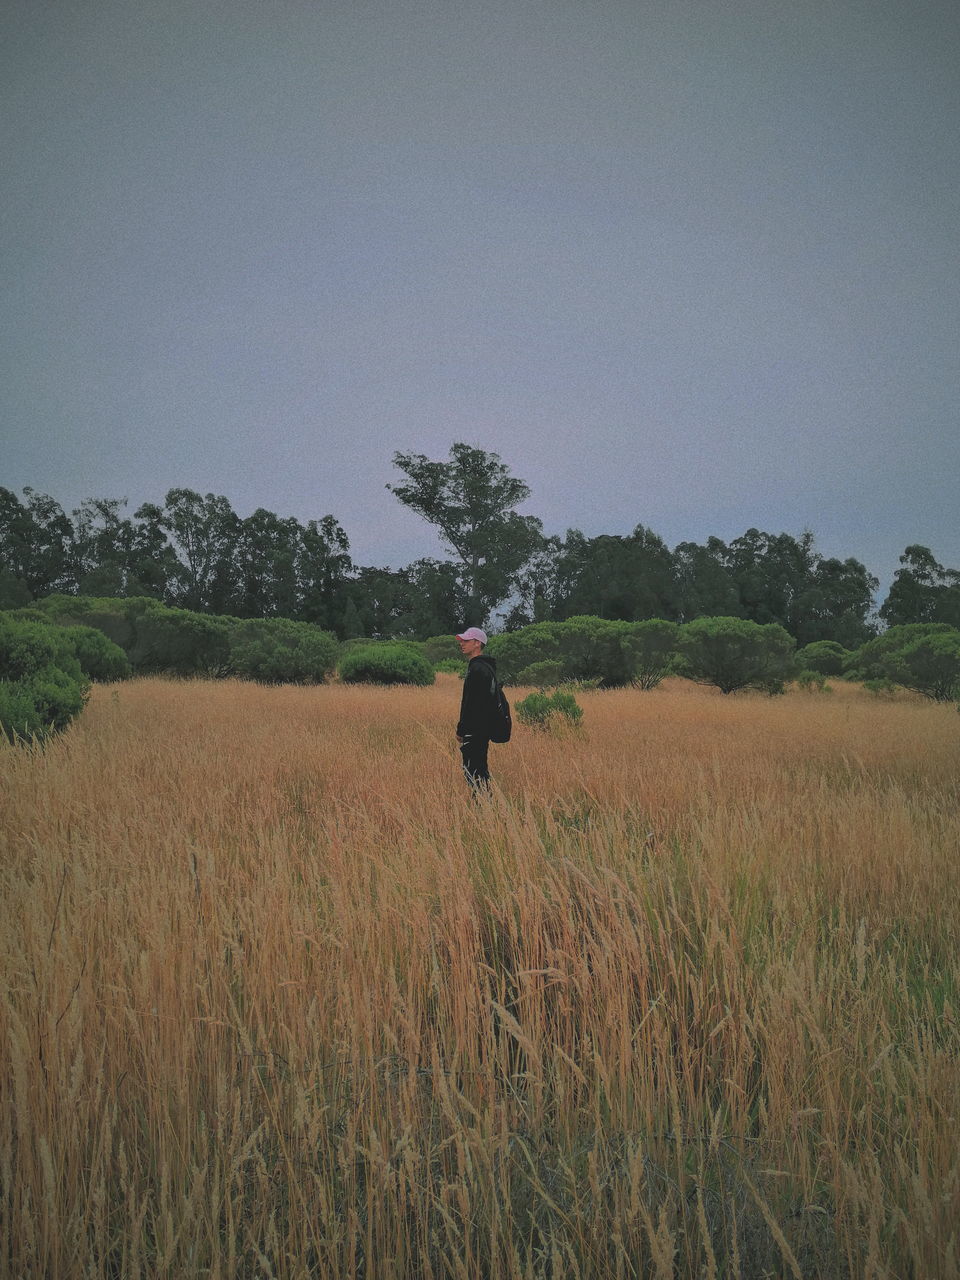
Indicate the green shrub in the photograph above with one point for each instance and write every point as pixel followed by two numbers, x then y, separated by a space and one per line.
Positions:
pixel 516 650
pixel 29 613
pixel 58 696
pixel 385 664
pixel 19 718
pixel 650 647
pixel 812 682
pixel 545 675
pixel 538 710
pixel 929 665
pixel 115 617
pixel 880 687
pixel 26 648
pixel 99 658
pixel 439 649
pixel 870 661
pixel 826 657
pixel 596 648
pixel 41 684
pixel 181 642
pixel 734 653
pixel 280 651
pixel 451 667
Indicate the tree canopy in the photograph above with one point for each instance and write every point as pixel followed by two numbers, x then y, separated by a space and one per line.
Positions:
pixel 194 551
pixel 471 500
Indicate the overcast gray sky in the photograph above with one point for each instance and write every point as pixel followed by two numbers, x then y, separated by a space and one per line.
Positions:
pixel 686 263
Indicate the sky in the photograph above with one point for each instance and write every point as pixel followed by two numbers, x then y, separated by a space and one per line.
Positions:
pixel 691 264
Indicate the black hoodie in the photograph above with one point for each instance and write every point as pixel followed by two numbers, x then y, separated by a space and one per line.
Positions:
pixel 477 703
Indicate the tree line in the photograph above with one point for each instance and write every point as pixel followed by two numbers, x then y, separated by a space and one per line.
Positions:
pixel 194 552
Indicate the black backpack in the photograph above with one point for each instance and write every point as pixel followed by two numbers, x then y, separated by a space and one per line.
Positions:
pixel 500 722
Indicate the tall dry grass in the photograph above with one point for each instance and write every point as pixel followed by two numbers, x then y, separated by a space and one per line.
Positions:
pixel 680 999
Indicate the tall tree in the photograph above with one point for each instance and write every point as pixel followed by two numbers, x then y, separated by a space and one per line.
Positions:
pixel 322 568
pixel 472 499
pixel 627 579
pixel 266 557
pixel 771 572
pixel 705 587
pixel 35 540
pixel 103 548
pixel 835 604
pixel 204 532
pixel 537 586
pixel 922 591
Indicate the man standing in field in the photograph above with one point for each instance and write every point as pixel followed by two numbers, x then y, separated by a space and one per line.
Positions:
pixel 477 708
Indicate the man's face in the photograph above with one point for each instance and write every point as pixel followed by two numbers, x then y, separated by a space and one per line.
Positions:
pixel 470 648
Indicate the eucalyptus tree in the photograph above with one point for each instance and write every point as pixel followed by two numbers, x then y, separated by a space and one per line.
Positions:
pixel 472 501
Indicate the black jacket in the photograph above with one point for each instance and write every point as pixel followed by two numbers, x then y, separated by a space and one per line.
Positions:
pixel 477 703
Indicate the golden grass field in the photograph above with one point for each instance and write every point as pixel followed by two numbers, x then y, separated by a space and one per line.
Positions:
pixel 680 999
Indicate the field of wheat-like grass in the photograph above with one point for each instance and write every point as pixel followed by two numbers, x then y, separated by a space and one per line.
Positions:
pixel 680 999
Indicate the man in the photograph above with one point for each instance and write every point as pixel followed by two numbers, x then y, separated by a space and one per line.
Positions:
pixel 476 708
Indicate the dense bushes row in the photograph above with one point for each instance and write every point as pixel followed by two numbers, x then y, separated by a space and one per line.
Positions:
pixel 154 638
pixel 45 669
pixel 730 653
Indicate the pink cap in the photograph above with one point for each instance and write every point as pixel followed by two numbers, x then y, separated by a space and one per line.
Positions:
pixel 473 633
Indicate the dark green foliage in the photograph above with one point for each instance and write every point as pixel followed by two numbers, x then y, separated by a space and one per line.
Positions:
pixel 14 592
pixel 471 500
pixel 99 658
pixel 650 646
pixel 438 648
pixel 929 665
pixel 41 706
pixel 181 642
pixel 812 682
pixel 595 648
pixel 544 675
pixel 586 649
pixel 26 648
pixel 538 710
pixel 277 651
pixel 824 656
pixel 923 591
pixel 704 586
pixel 451 667
pixel 880 688
pixel 516 650
pixel 833 604
pixel 615 578
pixel 734 653
pixel 871 661
pixel 41 684
pixel 385 664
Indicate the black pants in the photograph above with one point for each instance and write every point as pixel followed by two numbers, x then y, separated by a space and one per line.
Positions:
pixel 474 753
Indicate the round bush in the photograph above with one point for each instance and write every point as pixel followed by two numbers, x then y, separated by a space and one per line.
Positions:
pixel 812 682
pixel 537 710
pixel 385 664
pixel 442 649
pixel 41 684
pixel 279 651
pixel 451 667
pixel 544 675
pixel 27 647
pixel 515 650
pixel 181 642
pixel 99 658
pixel 824 656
